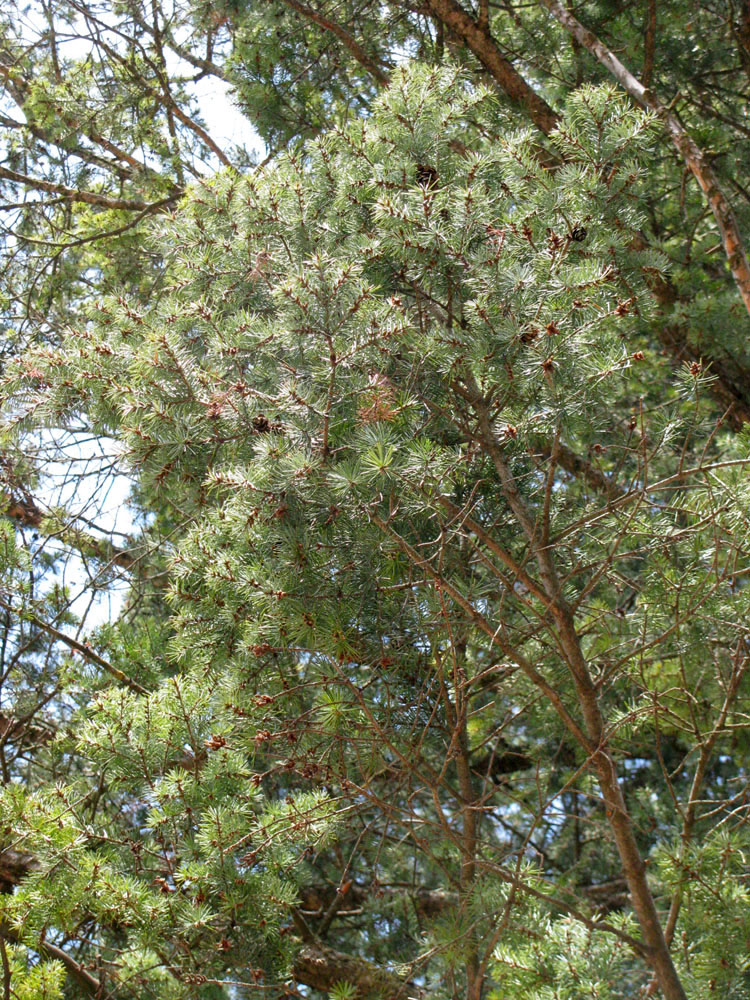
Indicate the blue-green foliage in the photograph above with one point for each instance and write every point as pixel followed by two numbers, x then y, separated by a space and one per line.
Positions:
pixel 347 342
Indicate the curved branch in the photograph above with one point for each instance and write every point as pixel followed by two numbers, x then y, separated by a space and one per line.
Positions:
pixel 88 983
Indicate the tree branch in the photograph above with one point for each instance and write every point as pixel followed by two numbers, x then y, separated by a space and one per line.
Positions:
pixel 89 197
pixel 691 153
pixel 26 513
pixel 88 983
pixel 479 40
pixel 321 967
pixel 79 647
pixel 349 42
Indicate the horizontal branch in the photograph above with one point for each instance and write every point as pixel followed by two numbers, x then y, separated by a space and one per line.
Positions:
pixel 321 967
pixel 88 197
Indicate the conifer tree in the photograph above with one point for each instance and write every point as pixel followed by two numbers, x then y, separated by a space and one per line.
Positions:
pixel 430 675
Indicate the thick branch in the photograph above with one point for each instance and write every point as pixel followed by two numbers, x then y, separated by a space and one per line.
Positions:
pixel 14 866
pixel 580 467
pixel 321 967
pixel 349 42
pixel 88 983
pixel 595 741
pixel 479 40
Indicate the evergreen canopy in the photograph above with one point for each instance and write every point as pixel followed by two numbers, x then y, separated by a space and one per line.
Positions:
pixel 424 671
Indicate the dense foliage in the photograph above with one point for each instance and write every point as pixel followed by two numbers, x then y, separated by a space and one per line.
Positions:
pixel 420 667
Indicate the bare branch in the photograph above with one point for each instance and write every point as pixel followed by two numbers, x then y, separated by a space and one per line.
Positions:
pixel 83 648
pixel 89 197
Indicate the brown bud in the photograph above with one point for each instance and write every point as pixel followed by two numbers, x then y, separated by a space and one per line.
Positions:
pixel 427 176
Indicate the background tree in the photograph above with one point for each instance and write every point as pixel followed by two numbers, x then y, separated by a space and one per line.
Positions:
pixel 430 678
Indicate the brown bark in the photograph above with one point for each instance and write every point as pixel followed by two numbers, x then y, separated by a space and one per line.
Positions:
pixel 478 39
pixel 431 903
pixel 14 865
pixel 349 42
pixel 88 197
pixel 594 742
pixel 582 468
pixel 89 984
pixel 742 34
pixel 321 967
